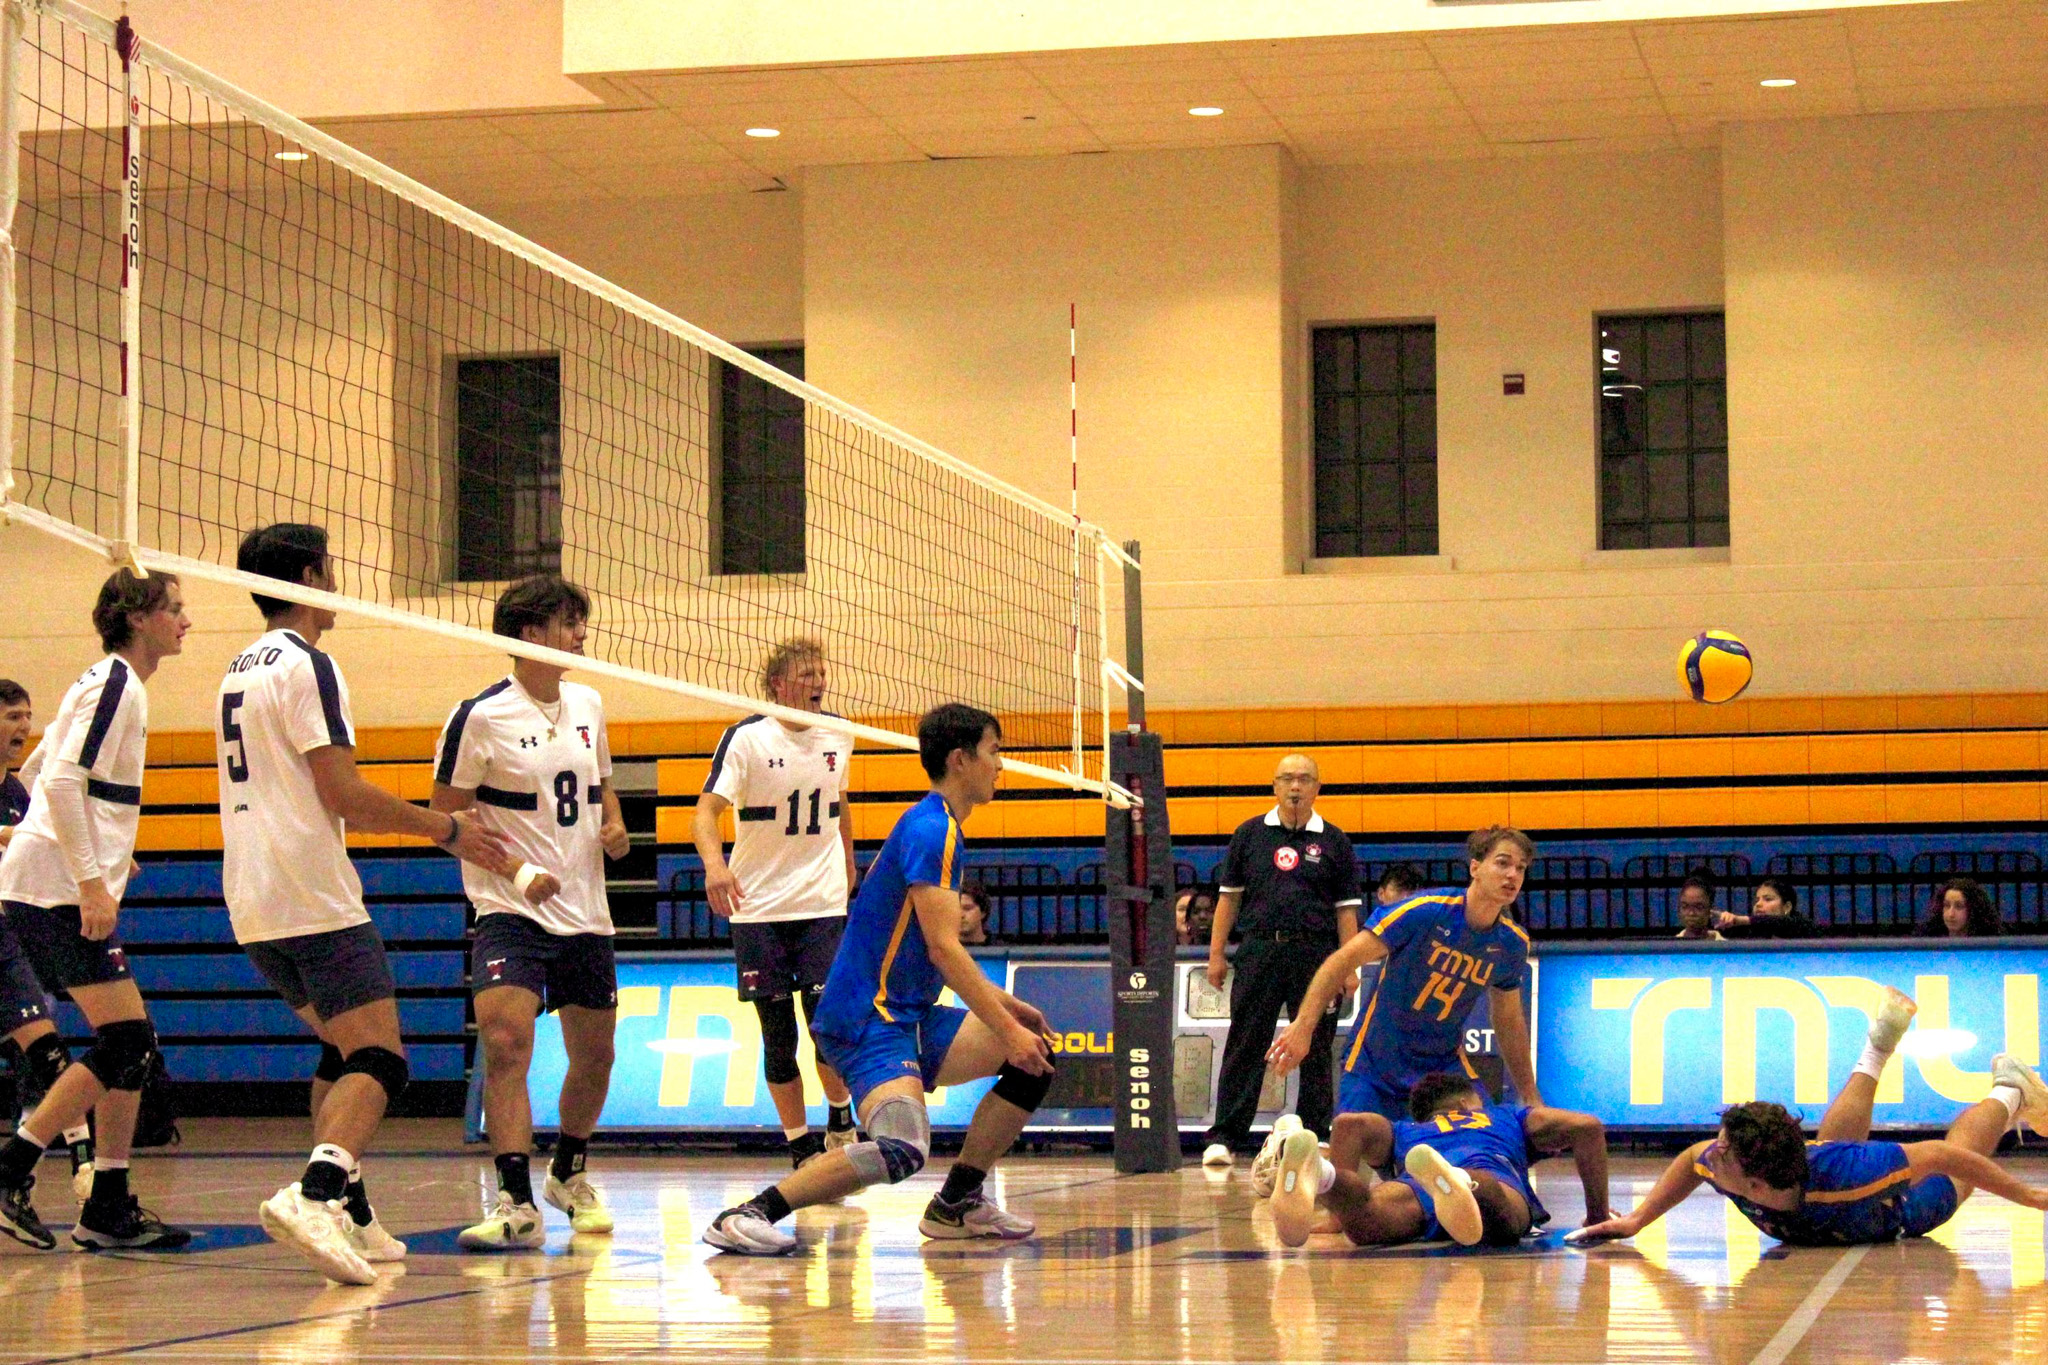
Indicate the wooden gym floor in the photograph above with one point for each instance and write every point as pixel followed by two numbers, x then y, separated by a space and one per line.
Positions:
pixel 1177 1268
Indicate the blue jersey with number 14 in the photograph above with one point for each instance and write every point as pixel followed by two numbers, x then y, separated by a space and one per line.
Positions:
pixel 1435 968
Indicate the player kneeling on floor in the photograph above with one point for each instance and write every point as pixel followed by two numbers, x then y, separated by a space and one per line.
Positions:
pixel 1464 1168
pixel 880 1026
pixel 1844 1189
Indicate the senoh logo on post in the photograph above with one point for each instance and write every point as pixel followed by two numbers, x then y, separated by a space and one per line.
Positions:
pixel 1286 859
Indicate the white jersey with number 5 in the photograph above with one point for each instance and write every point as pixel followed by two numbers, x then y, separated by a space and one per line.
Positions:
pixel 285 860
pixel 787 789
pixel 538 786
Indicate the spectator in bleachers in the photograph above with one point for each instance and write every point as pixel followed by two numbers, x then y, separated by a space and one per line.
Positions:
pixel 16 715
pixel 1960 908
pixel 1773 914
pixel 1395 885
pixel 974 909
pixel 1193 914
pixel 1696 911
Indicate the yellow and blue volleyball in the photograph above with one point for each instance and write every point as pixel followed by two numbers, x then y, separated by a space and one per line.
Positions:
pixel 1714 666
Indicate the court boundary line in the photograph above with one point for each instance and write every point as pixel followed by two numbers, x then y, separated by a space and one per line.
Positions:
pixel 1794 1330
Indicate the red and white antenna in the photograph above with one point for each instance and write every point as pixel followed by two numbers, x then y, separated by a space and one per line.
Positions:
pixel 1074 502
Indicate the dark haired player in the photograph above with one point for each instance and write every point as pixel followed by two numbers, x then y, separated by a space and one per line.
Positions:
pixel 1844 1189
pixel 529 755
pixel 1464 1170
pixel 61 882
pixel 288 788
pixel 880 1026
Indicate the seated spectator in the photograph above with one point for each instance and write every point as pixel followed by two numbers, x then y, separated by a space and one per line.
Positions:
pixel 1774 914
pixel 974 916
pixel 1696 911
pixel 1397 884
pixel 1193 914
pixel 1960 909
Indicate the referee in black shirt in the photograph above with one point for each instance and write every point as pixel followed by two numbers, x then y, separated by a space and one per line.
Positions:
pixel 1297 882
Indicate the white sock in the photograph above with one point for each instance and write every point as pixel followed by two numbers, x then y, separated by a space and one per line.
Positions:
pixel 1328 1176
pixel 355 1172
pixel 794 1133
pixel 1872 1062
pixel 76 1134
pixel 26 1134
pixel 334 1156
pixel 2010 1097
pixel 111 1164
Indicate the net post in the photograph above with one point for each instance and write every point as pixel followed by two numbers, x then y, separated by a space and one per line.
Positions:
pixel 1134 633
pixel 1138 896
pixel 10 199
pixel 123 549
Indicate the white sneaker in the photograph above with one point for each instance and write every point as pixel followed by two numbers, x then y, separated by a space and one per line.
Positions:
pixel 1894 1017
pixel 1269 1155
pixel 1451 1190
pixel 973 1217
pixel 1297 1180
pixel 1218 1156
pixel 373 1243
pixel 2007 1069
pixel 745 1232
pixel 579 1199
pixel 507 1227
pixel 313 1228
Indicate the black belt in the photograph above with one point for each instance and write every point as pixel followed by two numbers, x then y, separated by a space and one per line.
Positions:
pixel 1327 942
pixel 114 792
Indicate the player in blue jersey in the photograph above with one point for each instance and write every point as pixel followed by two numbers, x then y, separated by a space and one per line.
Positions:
pixel 880 1026
pixel 1843 1189
pixel 1438 951
pixel 1464 1163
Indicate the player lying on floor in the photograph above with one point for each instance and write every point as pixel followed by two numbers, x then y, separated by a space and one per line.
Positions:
pixel 1465 1170
pixel 1845 1189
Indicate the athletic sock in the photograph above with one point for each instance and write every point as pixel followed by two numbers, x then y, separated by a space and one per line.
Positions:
pixel 1327 1179
pixel 569 1155
pixel 78 1135
pixel 515 1176
pixel 839 1118
pixel 792 1134
pixel 806 1145
pixel 19 1157
pixel 357 1198
pixel 326 1176
pixel 770 1204
pixel 962 1181
pixel 2011 1098
pixel 109 1184
pixel 1872 1062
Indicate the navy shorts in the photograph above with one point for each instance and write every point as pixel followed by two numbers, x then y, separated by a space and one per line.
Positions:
pixel 22 997
pixel 561 969
pixel 334 972
pixel 888 1050
pixel 61 955
pixel 779 958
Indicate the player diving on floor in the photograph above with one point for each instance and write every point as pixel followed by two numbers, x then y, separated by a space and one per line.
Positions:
pixel 1843 1189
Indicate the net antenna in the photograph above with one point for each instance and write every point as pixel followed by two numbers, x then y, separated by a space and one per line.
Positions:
pixel 217 317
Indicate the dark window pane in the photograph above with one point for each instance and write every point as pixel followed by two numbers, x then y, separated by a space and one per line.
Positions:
pixel 1337 429
pixel 1621 490
pixel 1420 477
pixel 1664 349
pixel 1710 533
pixel 1663 390
pixel 1630 535
pixel 1379 428
pixel 1375 439
pixel 1621 423
pixel 1670 535
pixel 1332 545
pixel 1336 360
pixel 1710 414
pixel 1379 359
pixel 1709 346
pixel 1421 540
pixel 1381 543
pixel 1668 427
pixel 1380 495
pixel 1621 351
pixel 1710 484
pixel 1418 427
pixel 1336 497
pixel 508 424
pixel 1670 486
pixel 1418 358
pixel 761 469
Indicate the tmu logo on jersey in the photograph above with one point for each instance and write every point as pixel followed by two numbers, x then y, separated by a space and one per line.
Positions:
pixel 831 761
pixel 584 730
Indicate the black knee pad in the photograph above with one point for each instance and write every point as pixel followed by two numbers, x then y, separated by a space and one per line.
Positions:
pixel 331 1064
pixel 812 995
pixel 1021 1088
pixel 778 1039
pixel 119 1056
pixel 381 1065
pixel 42 1062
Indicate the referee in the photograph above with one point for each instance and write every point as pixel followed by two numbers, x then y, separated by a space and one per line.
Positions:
pixel 1297 881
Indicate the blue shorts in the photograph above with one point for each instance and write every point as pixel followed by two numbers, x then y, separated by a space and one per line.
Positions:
pixel 1364 1092
pixel 1928 1205
pixel 1433 1231
pixel 886 1051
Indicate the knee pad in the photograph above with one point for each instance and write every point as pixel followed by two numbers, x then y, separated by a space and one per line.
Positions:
pixel 1021 1088
pixel 778 1039
pixel 811 996
pixel 119 1056
pixel 330 1066
pixel 381 1065
pixel 42 1062
pixel 899 1140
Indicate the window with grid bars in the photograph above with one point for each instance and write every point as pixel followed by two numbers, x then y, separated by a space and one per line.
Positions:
pixel 508 462
pixel 761 468
pixel 1375 440
pixel 1663 430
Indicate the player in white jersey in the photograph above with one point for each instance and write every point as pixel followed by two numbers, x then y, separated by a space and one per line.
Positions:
pixel 529 755
pixel 288 783
pixel 791 875
pixel 61 882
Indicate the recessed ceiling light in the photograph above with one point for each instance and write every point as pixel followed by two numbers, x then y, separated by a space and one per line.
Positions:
pixel 1206 111
pixel 293 156
pixel 1777 82
pixel 764 132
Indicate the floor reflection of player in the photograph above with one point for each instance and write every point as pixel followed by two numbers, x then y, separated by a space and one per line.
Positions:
pixel 1845 1189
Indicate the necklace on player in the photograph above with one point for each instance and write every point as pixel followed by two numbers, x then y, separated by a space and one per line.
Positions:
pixel 550 719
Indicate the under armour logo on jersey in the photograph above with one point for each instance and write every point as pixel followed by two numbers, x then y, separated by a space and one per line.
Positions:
pixel 775 763
pixel 529 742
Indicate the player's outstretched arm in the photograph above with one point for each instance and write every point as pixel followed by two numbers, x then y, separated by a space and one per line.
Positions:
pixel 1960 1163
pixel 1554 1131
pixel 1293 1045
pixel 938 915
pixel 1511 1034
pixel 372 810
pixel 1680 1179
pixel 721 888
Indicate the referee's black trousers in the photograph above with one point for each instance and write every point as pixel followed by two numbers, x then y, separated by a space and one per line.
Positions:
pixel 1271 979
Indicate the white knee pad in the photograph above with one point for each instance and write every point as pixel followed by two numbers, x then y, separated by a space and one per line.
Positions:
pixel 899 1141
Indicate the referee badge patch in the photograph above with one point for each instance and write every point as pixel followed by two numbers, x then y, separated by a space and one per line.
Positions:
pixel 1285 858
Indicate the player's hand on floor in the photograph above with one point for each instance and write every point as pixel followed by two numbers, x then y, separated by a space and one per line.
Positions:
pixel 1287 1051
pixel 1028 1051
pixel 1604 1231
pixel 616 840
pixel 722 890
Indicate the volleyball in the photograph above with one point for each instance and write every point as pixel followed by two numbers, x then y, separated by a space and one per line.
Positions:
pixel 1714 666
